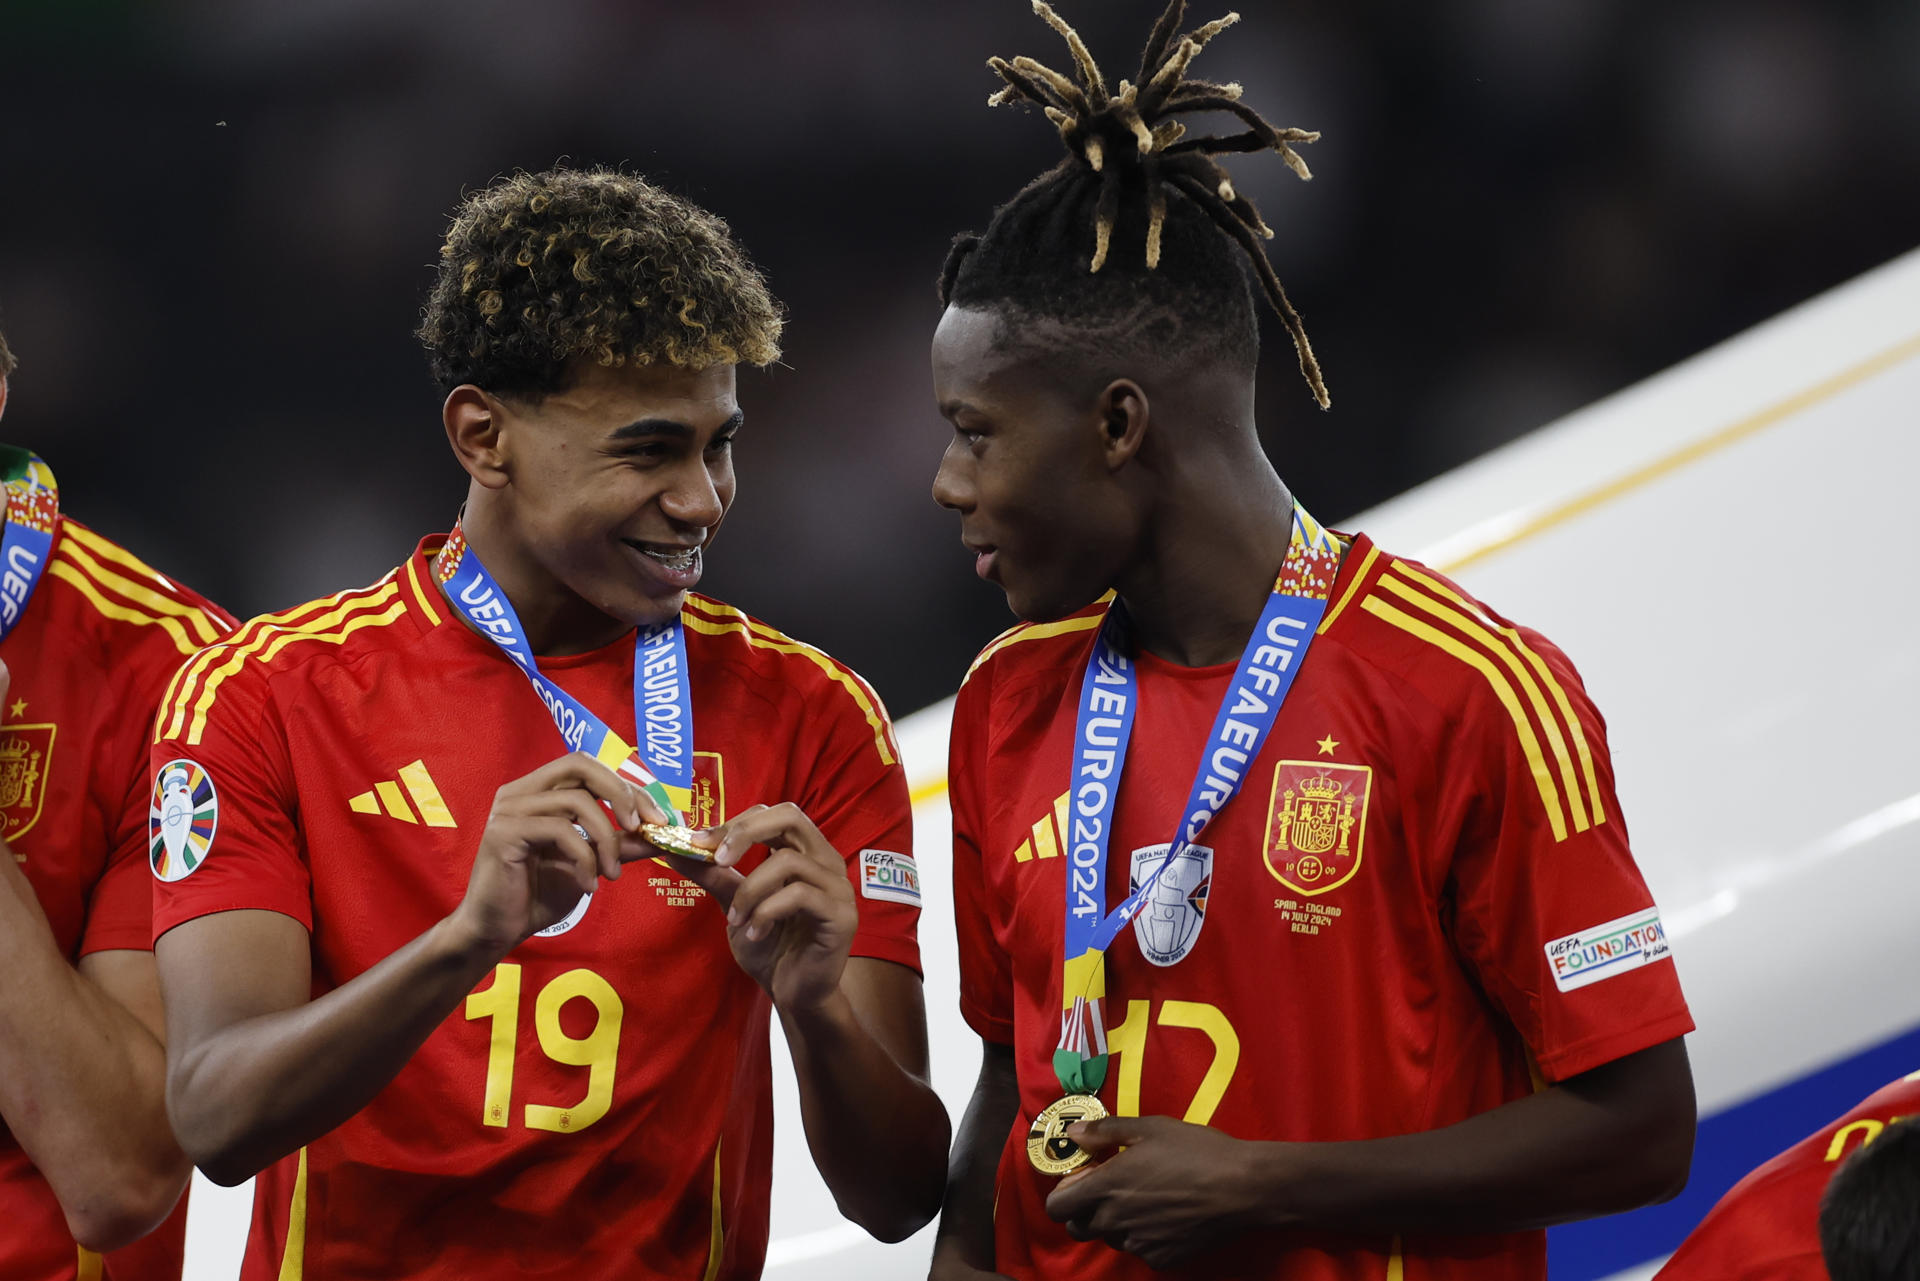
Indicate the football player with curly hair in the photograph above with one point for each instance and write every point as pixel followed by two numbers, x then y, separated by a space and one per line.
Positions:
pixel 427 978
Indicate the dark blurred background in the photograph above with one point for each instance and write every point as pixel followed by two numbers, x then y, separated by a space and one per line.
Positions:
pixel 218 219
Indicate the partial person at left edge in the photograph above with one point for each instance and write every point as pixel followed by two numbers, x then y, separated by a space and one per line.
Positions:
pixel 89 636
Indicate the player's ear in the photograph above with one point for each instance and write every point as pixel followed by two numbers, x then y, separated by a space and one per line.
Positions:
pixel 473 422
pixel 1122 411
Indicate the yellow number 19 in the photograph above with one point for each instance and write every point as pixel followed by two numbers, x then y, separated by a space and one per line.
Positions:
pixel 596 1051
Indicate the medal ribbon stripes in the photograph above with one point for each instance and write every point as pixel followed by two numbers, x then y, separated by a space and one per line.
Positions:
pixel 1109 692
pixel 662 698
pixel 33 508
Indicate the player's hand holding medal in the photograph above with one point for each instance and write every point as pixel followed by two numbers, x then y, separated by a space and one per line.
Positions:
pixel 1158 1188
pixel 605 781
pixel 551 837
pixel 791 920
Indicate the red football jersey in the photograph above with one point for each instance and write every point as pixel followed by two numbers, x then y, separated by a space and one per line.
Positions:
pixel 600 1106
pixel 1767 1226
pixel 89 658
pixel 1423 886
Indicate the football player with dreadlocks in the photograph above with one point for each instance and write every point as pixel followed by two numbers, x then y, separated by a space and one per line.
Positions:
pixel 1295 905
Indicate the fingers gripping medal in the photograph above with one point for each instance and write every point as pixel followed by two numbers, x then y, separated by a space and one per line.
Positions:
pixel 1048 1146
pixel 675 840
pixel 668 839
pixel 1108 696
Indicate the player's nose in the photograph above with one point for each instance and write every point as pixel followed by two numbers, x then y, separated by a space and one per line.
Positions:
pixel 951 488
pixel 693 498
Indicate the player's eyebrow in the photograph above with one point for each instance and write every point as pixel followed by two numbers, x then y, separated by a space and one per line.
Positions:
pixel 646 427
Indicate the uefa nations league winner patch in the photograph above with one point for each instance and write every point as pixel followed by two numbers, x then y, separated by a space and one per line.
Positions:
pixel 1169 922
pixel 181 823
pixel 890 877
pixel 1606 951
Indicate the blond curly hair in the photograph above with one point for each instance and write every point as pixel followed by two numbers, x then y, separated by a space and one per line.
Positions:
pixel 539 270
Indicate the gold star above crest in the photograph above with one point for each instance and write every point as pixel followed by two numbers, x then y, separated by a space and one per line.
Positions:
pixel 18 709
pixel 1327 745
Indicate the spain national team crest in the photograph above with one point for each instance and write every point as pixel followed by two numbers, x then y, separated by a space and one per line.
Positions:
pixel 1169 921
pixel 26 753
pixel 180 826
pixel 1317 824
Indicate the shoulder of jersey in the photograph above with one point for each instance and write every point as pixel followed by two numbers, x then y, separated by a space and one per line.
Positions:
pixel 811 670
pixel 1901 1096
pixel 332 628
pixel 1400 617
pixel 1038 646
pixel 138 605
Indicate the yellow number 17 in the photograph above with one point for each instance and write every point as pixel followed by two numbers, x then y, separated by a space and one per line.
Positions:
pixel 595 1051
pixel 1129 1042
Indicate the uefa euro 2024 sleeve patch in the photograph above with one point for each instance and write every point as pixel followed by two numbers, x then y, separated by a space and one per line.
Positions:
pixel 1606 951
pixel 889 877
pixel 180 826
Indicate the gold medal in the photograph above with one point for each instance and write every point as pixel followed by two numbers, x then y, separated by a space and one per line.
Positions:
pixel 675 840
pixel 1048 1146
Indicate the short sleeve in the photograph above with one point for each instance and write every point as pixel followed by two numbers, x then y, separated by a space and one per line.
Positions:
pixel 855 791
pixel 1549 909
pixel 120 911
pixel 224 833
pixel 120 907
pixel 986 982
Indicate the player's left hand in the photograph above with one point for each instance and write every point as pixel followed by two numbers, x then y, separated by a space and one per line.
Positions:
pixel 1176 1190
pixel 791 921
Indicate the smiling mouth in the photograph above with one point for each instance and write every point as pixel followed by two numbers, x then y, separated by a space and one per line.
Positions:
pixel 678 559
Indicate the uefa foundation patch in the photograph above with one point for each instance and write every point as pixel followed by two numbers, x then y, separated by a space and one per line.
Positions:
pixel 890 877
pixel 1605 951
pixel 181 824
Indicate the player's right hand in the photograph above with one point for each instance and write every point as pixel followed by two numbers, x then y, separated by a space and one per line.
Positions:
pixel 533 863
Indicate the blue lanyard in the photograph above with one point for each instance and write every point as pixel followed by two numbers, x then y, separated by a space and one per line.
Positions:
pixel 33 509
pixel 662 698
pixel 1109 695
